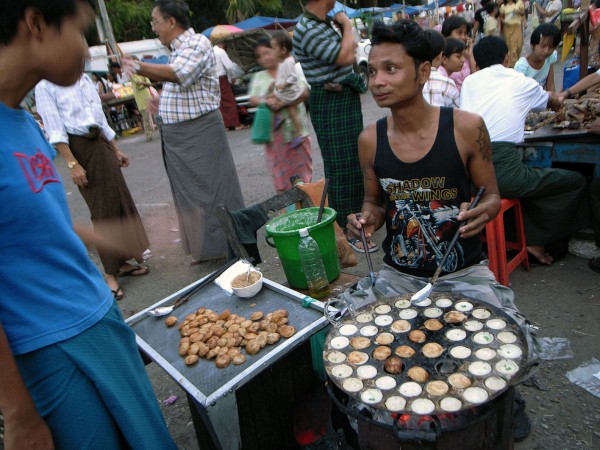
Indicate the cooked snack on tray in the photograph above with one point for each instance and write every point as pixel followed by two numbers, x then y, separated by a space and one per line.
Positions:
pixel 221 336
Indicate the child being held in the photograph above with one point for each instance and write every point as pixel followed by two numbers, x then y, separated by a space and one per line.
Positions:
pixel 287 89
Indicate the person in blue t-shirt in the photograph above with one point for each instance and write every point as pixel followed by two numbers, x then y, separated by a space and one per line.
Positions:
pixel 71 376
pixel 539 63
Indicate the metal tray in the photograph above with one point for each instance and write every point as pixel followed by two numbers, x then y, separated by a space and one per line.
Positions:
pixel 438 368
pixel 204 381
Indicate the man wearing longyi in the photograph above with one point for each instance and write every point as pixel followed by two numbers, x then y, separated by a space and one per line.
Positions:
pixel 421 165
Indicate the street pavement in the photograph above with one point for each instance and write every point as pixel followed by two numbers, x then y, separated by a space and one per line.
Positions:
pixel 563 299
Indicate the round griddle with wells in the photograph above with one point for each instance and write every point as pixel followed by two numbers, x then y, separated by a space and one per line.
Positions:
pixel 490 357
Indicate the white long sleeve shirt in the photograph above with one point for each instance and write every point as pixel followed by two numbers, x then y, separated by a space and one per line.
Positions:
pixel 502 97
pixel 70 110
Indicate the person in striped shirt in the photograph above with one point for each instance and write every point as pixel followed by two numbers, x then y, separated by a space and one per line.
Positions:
pixel 325 49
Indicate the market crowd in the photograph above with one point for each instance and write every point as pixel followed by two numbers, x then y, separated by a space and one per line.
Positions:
pixel 70 369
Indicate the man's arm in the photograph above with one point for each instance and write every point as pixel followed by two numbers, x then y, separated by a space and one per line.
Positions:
pixel 23 426
pixel 372 216
pixel 347 54
pixel 473 141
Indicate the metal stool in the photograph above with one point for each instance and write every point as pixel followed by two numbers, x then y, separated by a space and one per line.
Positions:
pixel 499 263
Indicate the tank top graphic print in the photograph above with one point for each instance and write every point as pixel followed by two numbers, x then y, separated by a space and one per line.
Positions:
pixel 422 201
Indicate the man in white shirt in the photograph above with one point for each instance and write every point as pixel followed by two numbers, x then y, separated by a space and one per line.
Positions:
pixel 551 198
pixel 77 127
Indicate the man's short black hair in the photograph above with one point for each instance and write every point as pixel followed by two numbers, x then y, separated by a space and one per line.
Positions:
pixel 453 45
pixel 546 30
pixel 177 9
pixel 283 39
pixel 454 23
pixel 436 40
pixel 489 51
pixel 53 11
pixel 407 33
pixel 490 7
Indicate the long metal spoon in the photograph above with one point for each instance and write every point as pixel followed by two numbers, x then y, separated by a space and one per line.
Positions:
pixel 420 295
pixel 363 238
pixel 164 310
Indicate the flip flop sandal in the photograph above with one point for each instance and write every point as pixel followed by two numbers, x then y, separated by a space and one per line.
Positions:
pixel 137 271
pixel 118 293
pixel 352 243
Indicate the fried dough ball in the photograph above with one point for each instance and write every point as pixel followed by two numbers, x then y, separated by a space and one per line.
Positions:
pixel 200 311
pixel 360 342
pixel 286 331
pixel 194 348
pixel 459 381
pixel 213 352
pixel 454 317
pixel 234 351
pixel 212 317
pixel 281 312
pixel 222 342
pixel 225 314
pixel 272 338
pixel 417 336
pixel 405 351
pixel 282 321
pixel 170 321
pixel 250 336
pixel 233 328
pixel 212 342
pixel 264 324
pixel 190 317
pixel 222 361
pixel 256 315
pixel 218 331
pixel 196 337
pixel 393 365
pixel 203 320
pixel 183 348
pixel 433 324
pixel 254 327
pixel 252 347
pixel 223 351
pixel 246 323
pixel 418 374
pixel 191 359
pixel 272 327
pixel 262 339
pixel 238 359
pixel 202 349
pixel 432 350
pixel 382 352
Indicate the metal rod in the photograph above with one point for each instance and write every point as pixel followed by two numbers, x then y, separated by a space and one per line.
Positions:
pixel 363 238
pixel 473 204
pixel 323 198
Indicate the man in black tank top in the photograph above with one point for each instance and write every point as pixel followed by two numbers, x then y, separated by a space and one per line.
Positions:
pixel 420 163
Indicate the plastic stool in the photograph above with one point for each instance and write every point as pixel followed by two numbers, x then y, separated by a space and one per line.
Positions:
pixel 499 263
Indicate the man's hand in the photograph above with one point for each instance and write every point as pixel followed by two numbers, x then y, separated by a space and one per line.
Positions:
pixel 153 105
pixel 365 220
pixel 79 177
pixel 476 219
pixel 26 433
pixel 555 101
pixel 122 158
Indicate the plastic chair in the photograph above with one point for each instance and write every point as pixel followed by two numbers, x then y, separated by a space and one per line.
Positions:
pixel 499 262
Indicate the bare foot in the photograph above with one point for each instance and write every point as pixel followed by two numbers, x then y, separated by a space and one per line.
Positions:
pixel 537 251
pixel 113 285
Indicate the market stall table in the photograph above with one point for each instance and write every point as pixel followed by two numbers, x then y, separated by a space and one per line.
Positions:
pixel 247 406
pixel 548 145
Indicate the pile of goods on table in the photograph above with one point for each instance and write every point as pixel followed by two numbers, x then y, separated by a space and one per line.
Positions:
pixel 221 336
pixel 582 113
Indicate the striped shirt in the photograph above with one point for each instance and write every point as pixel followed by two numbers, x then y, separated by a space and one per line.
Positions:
pixel 197 92
pixel 317 45
pixel 70 110
pixel 440 90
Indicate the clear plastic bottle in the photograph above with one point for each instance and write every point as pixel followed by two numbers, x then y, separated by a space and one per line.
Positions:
pixel 312 265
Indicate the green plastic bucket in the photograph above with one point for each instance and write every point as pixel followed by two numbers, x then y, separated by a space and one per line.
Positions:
pixel 283 231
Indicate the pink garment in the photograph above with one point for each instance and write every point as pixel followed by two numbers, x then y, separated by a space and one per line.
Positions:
pixel 459 77
pixel 284 162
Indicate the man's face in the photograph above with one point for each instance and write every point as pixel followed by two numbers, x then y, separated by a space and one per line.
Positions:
pixel 65 50
pixel 393 77
pixel 162 27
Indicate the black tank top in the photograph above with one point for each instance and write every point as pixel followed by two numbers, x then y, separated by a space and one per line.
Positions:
pixel 422 200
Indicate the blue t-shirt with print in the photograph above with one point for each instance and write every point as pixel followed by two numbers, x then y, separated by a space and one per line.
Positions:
pixel 539 75
pixel 49 288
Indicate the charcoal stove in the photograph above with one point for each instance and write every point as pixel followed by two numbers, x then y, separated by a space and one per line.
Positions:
pixel 481 427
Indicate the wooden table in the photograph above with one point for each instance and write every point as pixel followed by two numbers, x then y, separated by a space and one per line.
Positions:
pixel 548 145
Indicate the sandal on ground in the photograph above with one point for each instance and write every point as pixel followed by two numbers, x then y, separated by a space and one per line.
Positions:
pixel 117 293
pixel 137 270
pixel 352 243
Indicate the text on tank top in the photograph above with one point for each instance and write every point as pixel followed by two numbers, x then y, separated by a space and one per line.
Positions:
pixel 422 201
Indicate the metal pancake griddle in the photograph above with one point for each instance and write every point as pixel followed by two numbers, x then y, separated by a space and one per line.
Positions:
pixel 487 345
